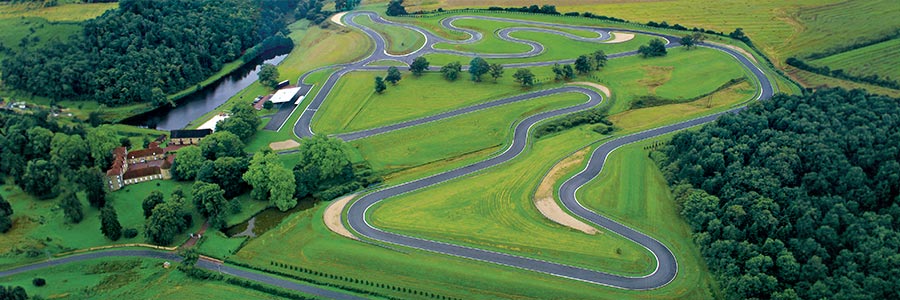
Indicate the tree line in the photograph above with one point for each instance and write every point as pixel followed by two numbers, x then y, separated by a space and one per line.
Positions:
pixel 873 79
pixel 797 197
pixel 145 50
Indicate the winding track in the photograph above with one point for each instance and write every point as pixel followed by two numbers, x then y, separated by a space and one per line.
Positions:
pixel 666 269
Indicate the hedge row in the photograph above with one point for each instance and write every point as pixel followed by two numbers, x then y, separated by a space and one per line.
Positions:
pixel 873 79
pixel 653 100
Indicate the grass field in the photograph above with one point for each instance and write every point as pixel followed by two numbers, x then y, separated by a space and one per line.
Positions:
pixel 353 105
pixel 398 40
pixel 882 59
pixel 125 278
pixel 816 80
pixel 63 12
pixel 431 146
pixel 39 224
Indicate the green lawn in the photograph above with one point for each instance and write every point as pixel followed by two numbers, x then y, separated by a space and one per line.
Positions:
pixel 39 224
pixel 125 278
pixel 74 11
pixel 399 40
pixel 418 151
pixel 882 59
pixel 353 105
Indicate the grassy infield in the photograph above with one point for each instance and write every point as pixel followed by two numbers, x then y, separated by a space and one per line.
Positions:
pixel 495 200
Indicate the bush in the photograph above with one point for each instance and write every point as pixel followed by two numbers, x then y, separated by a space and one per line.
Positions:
pixel 39 282
pixel 591 116
pixel 130 233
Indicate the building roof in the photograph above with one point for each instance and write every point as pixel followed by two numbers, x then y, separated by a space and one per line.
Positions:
pixel 118 162
pixel 145 153
pixel 285 95
pixel 141 172
pixel 167 163
pixel 192 133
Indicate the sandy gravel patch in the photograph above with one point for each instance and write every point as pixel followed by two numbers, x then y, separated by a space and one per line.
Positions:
pixel 284 145
pixel 598 86
pixel 333 216
pixel 620 37
pixel 547 205
pixel 336 18
pixel 736 48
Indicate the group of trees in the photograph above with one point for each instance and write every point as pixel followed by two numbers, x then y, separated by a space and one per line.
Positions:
pixel 395 8
pixel 655 48
pixel 535 9
pixel 691 41
pixel 145 50
pixel 451 70
pixel 393 76
pixel 268 75
pixel 797 197
pixel 324 170
pixel 13 293
pixel 271 180
pixel 47 158
pixel 242 122
pixel 6 212
pixel 165 219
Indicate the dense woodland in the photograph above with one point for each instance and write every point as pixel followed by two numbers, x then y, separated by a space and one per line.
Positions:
pixel 145 50
pixel 796 197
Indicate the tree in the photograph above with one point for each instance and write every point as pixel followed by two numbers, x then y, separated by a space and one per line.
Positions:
pixel 71 207
pixel 524 77
pixel 93 183
pixel 451 71
pixel 738 34
pixel 221 144
pixel 598 59
pixel 187 163
pixel 102 140
pixel 322 164
pixel 568 72
pixel 655 48
pixel 688 42
pixel 268 105
pixel 155 198
pixel 6 212
pixel 478 67
pixel 380 86
pixel 243 122
pixel 395 8
pixel 69 151
pixel 419 66
pixel 268 75
pixel 40 179
pixel 13 293
pixel 109 223
pixel 281 187
pixel 256 175
pixel 583 64
pixel 39 141
pixel 226 172
pixel 211 203
pixel 393 75
pixel 496 71
pixel 345 5
pixel 166 222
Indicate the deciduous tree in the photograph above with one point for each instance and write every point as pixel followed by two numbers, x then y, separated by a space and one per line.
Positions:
pixel 583 64
pixel 221 144
pixel 71 207
pixel 187 163
pixel 524 77
pixel 155 198
pixel 109 223
pixel 40 179
pixel 380 86
pixel 478 67
pixel 451 71
pixel 419 66
pixel 496 71
pixel 211 203
pixel 393 75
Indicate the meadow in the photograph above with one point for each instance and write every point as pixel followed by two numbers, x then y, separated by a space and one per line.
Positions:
pixel 398 40
pixel 882 59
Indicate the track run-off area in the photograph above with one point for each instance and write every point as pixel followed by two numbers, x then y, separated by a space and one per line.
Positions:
pixel 356 213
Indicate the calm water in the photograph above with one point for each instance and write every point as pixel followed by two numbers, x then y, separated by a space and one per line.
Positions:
pixel 205 100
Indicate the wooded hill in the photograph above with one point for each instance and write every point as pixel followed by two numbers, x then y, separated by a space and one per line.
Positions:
pixel 146 49
pixel 796 197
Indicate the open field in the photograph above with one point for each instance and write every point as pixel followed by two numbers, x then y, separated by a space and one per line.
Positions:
pixel 39 224
pixel 399 40
pixel 63 12
pixel 882 59
pixel 353 104
pixel 125 278
pixel 816 80
pixel 410 152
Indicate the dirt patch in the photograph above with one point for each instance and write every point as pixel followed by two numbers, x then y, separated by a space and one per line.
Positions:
pixel 333 216
pixel 336 18
pixel 598 86
pixel 620 37
pixel 546 204
pixel 656 76
pixel 738 49
pixel 284 145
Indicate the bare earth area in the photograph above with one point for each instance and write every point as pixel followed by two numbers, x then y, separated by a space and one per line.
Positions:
pixel 595 85
pixel 333 216
pixel 284 145
pixel 546 204
pixel 336 18
pixel 738 49
pixel 620 37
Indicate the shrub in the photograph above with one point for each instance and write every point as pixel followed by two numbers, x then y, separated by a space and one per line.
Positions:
pixel 130 233
pixel 39 282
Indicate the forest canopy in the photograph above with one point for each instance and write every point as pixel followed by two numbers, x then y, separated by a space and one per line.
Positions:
pixel 796 197
pixel 146 49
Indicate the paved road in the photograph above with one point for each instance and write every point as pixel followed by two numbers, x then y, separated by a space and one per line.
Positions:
pixel 666 262
pixel 667 265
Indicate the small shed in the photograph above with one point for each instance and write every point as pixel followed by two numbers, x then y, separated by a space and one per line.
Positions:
pixel 285 95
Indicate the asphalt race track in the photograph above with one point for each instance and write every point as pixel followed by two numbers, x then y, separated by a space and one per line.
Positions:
pixel 667 266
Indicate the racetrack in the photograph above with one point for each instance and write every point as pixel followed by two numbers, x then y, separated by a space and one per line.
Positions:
pixel 667 267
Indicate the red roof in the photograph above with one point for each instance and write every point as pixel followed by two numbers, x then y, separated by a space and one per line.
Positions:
pixel 145 153
pixel 141 172
pixel 118 162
